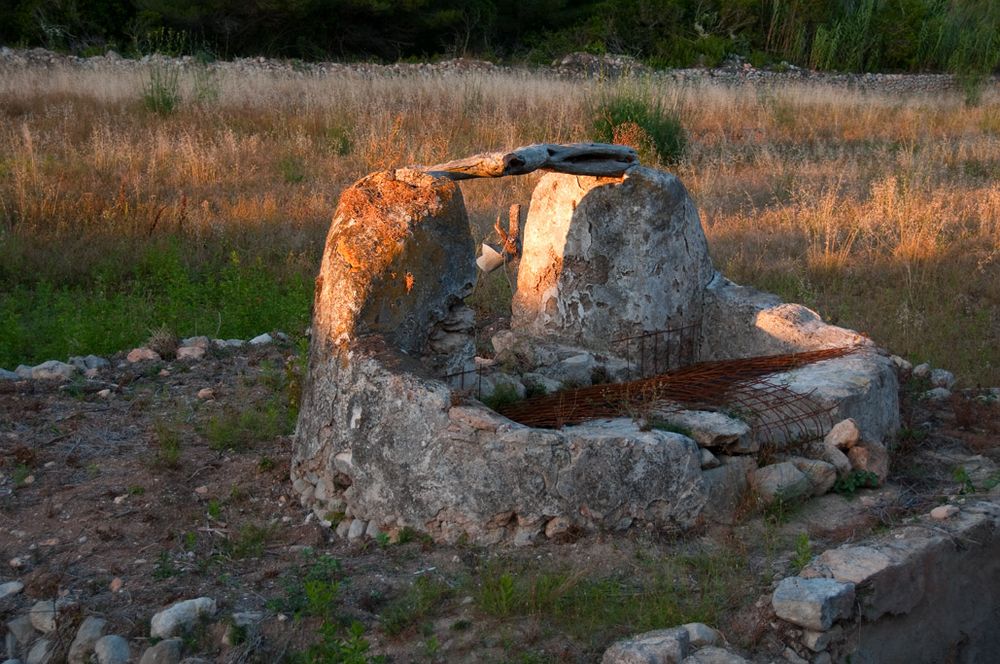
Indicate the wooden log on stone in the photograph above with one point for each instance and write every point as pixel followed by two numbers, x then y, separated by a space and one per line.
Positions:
pixel 597 159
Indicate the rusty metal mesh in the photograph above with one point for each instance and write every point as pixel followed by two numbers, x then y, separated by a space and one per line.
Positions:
pixel 739 386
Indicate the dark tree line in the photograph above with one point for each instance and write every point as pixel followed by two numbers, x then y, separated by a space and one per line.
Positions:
pixel 857 35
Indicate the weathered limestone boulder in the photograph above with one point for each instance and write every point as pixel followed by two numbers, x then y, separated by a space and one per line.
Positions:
pixel 743 322
pixel 398 256
pixel 605 258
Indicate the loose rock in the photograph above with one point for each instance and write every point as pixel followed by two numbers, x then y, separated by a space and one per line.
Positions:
pixel 180 617
pixel 813 603
pixel 822 475
pixel 700 634
pixel 53 370
pixel 40 653
pixel 43 616
pixel 82 647
pixel 844 435
pixel 193 353
pixel 142 354
pixel 112 649
pixel 942 378
pixel 206 393
pixel 780 481
pixel 22 629
pixel 10 588
pixel 871 457
pixel 164 652
pixel 261 340
pixel 714 655
pixel 664 646
pixel 944 512
pixel 937 394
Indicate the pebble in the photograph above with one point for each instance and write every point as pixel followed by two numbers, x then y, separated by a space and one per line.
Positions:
pixel 206 393
pixel 196 342
pixel 53 370
pixel 164 372
pixel 844 435
pixel 105 393
pixel 17 562
pixel 944 512
pixel 43 616
pixel 357 529
pixel 22 629
pixel 180 617
pixel 40 653
pixel 942 378
pixel 116 584
pixel 91 629
pixel 164 652
pixel 261 340
pixel 190 353
pixel 142 354
pixel 922 370
pixel 10 588
pixel 201 490
pixel 112 649
pixel 937 394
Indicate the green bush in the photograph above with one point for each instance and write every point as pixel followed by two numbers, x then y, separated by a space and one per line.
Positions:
pixel 642 122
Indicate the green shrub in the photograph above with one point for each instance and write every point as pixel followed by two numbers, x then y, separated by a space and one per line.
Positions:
pixel 162 91
pixel 642 122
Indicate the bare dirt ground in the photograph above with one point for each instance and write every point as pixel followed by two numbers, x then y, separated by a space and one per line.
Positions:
pixel 126 503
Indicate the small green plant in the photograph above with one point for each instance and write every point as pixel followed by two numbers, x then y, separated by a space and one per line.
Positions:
pixel 414 605
pixel 214 509
pixel 339 140
pixel 382 539
pixel 238 430
pixel 21 473
pixel 190 540
pixel 643 122
pixel 250 541
pixel 136 490
pixel 292 169
pixel 313 591
pixel 503 395
pixel 165 567
pixel 803 553
pixel 961 475
pixel 168 444
pixel 856 479
pixel 265 464
pixel 339 647
pixel 321 596
pixel 161 93
pixel 498 594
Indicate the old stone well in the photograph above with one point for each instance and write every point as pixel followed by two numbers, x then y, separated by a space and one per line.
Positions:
pixel 615 290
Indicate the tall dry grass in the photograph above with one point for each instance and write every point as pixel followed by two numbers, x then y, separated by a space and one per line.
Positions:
pixel 881 211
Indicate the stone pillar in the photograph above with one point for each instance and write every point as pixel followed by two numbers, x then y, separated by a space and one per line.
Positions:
pixel 610 257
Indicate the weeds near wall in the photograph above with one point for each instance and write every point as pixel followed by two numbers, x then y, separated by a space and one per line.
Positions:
pixel 643 122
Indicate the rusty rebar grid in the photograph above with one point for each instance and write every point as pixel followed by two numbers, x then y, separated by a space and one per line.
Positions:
pixel 738 385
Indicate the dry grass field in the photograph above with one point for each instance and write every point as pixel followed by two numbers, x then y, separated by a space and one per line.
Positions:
pixel 881 211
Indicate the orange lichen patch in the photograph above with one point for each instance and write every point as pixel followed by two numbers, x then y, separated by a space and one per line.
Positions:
pixel 409 281
pixel 378 211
